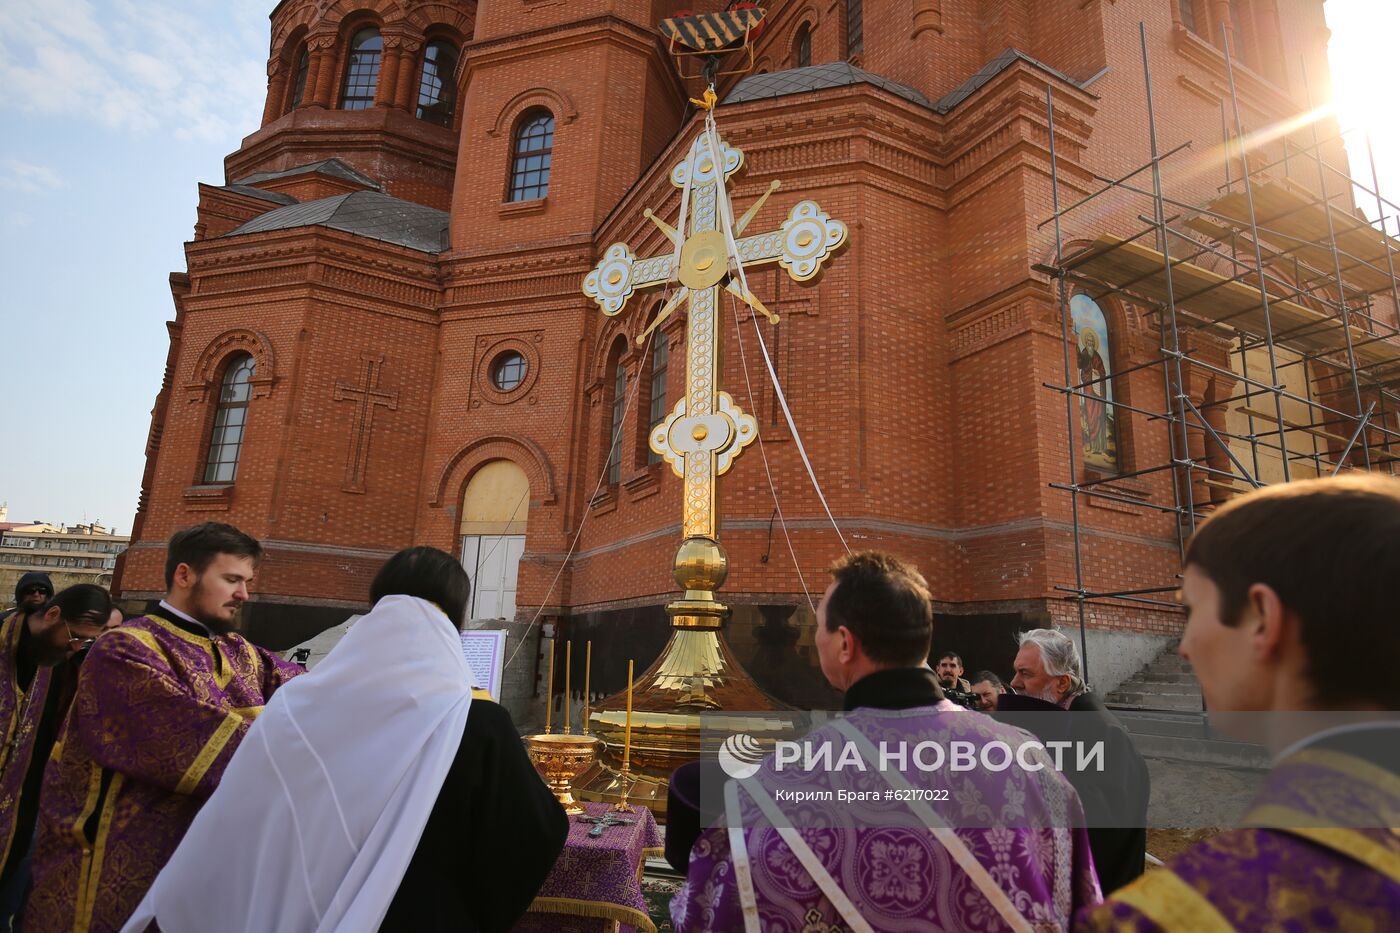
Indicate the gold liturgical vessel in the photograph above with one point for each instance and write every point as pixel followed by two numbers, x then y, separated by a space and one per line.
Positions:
pixel 560 757
pixel 696 672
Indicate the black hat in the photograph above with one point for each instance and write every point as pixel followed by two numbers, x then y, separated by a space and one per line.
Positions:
pixel 34 578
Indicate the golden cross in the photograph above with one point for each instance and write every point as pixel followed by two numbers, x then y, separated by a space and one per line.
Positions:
pixel 706 430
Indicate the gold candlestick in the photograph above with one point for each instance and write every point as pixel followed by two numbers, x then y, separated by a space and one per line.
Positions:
pixel 568 692
pixel 622 805
pixel 587 682
pixel 549 694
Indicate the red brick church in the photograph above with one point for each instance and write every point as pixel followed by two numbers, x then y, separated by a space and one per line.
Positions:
pixel 381 340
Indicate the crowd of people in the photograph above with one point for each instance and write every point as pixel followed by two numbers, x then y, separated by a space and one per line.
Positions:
pixel 162 772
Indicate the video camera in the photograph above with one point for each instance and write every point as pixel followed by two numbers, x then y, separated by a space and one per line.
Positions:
pixel 963 698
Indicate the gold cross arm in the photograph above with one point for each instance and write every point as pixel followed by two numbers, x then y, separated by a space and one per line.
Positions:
pixel 706 429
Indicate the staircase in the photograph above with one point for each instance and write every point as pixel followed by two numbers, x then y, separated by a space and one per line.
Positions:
pixel 1164 684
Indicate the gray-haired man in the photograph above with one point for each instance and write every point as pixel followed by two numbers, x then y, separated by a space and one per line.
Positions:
pixel 1115 799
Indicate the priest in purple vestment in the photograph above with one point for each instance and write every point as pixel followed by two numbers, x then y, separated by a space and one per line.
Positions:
pixel 1290 595
pixel 160 707
pixel 881 841
pixel 41 649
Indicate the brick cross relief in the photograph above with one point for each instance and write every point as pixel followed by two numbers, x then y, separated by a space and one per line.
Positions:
pixel 706 430
pixel 367 396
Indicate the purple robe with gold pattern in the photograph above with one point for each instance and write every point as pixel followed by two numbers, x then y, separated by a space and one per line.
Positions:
pixel 1025 827
pixel 1320 850
pixel 158 713
pixel 20 712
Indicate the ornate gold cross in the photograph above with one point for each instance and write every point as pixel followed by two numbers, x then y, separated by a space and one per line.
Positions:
pixel 706 430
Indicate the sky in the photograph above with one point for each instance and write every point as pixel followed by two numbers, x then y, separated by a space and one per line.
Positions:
pixel 112 111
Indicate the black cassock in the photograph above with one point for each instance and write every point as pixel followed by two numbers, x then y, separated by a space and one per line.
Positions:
pixel 490 841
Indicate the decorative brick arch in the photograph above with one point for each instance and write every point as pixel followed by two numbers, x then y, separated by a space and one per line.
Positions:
pixel 354 12
pixel 556 102
pixel 523 452
pixel 208 369
pixel 608 335
pixel 291 19
pixel 435 17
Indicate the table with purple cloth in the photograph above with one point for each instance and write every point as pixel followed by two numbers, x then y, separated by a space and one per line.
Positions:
pixel 597 882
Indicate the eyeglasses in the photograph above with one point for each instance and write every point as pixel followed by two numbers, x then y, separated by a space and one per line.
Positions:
pixel 31 590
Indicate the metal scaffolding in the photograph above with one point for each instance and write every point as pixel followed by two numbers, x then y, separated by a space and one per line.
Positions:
pixel 1294 294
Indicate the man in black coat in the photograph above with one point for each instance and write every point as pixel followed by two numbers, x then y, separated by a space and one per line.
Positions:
pixel 1049 678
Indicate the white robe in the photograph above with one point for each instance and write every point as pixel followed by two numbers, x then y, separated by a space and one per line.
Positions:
pixel 321 808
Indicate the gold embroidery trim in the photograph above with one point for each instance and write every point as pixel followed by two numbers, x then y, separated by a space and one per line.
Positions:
pixel 248 712
pixel 601 910
pixel 145 638
pixel 1350 765
pixel 199 641
pixel 87 900
pixel 208 753
pixel 1348 842
pixel 1163 897
pixel 80 921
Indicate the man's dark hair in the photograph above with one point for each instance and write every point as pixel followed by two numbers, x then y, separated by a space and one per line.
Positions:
pixel 79 600
pixel 951 654
pixel 429 574
pixel 199 545
pixel 885 603
pixel 988 676
pixel 1330 548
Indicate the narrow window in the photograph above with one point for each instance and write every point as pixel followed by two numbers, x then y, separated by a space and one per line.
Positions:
pixel 229 420
pixel 619 407
pixel 804 46
pixel 437 88
pixel 299 85
pixel 660 357
pixel 855 28
pixel 362 70
pixel 1187 9
pixel 532 156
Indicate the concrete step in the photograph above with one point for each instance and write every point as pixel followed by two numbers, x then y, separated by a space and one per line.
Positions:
pixel 1151 677
pixel 1149 701
pixel 1160 689
pixel 1184 724
pixel 1205 751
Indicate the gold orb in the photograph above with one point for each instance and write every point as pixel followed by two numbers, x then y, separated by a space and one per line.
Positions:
pixel 700 433
pixel 700 565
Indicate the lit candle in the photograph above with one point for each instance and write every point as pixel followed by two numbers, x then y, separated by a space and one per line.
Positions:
pixel 627 730
pixel 549 695
pixel 568 692
pixel 587 681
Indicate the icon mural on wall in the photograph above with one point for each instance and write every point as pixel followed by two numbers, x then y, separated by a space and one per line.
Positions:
pixel 1094 371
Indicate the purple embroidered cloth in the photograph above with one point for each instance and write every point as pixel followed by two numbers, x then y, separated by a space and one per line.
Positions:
pixel 597 880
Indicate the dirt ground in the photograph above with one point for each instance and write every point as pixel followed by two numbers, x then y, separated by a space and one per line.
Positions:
pixel 1193 801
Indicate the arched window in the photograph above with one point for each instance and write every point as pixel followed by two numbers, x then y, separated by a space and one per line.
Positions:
pixel 362 70
pixel 531 156
pixel 230 417
pixel 802 48
pixel 660 359
pixel 299 83
pixel 1095 386
pixel 855 27
pixel 437 88
pixel 617 409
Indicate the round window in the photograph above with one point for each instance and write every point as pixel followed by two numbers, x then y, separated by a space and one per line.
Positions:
pixel 508 371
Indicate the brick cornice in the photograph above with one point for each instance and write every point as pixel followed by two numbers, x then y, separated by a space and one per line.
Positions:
pixel 505 48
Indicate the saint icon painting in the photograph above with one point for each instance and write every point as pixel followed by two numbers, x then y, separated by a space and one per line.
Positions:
pixel 1093 375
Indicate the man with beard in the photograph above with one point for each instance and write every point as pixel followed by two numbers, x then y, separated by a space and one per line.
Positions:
pixel 40 650
pixel 950 672
pixel 163 702
pixel 1049 677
